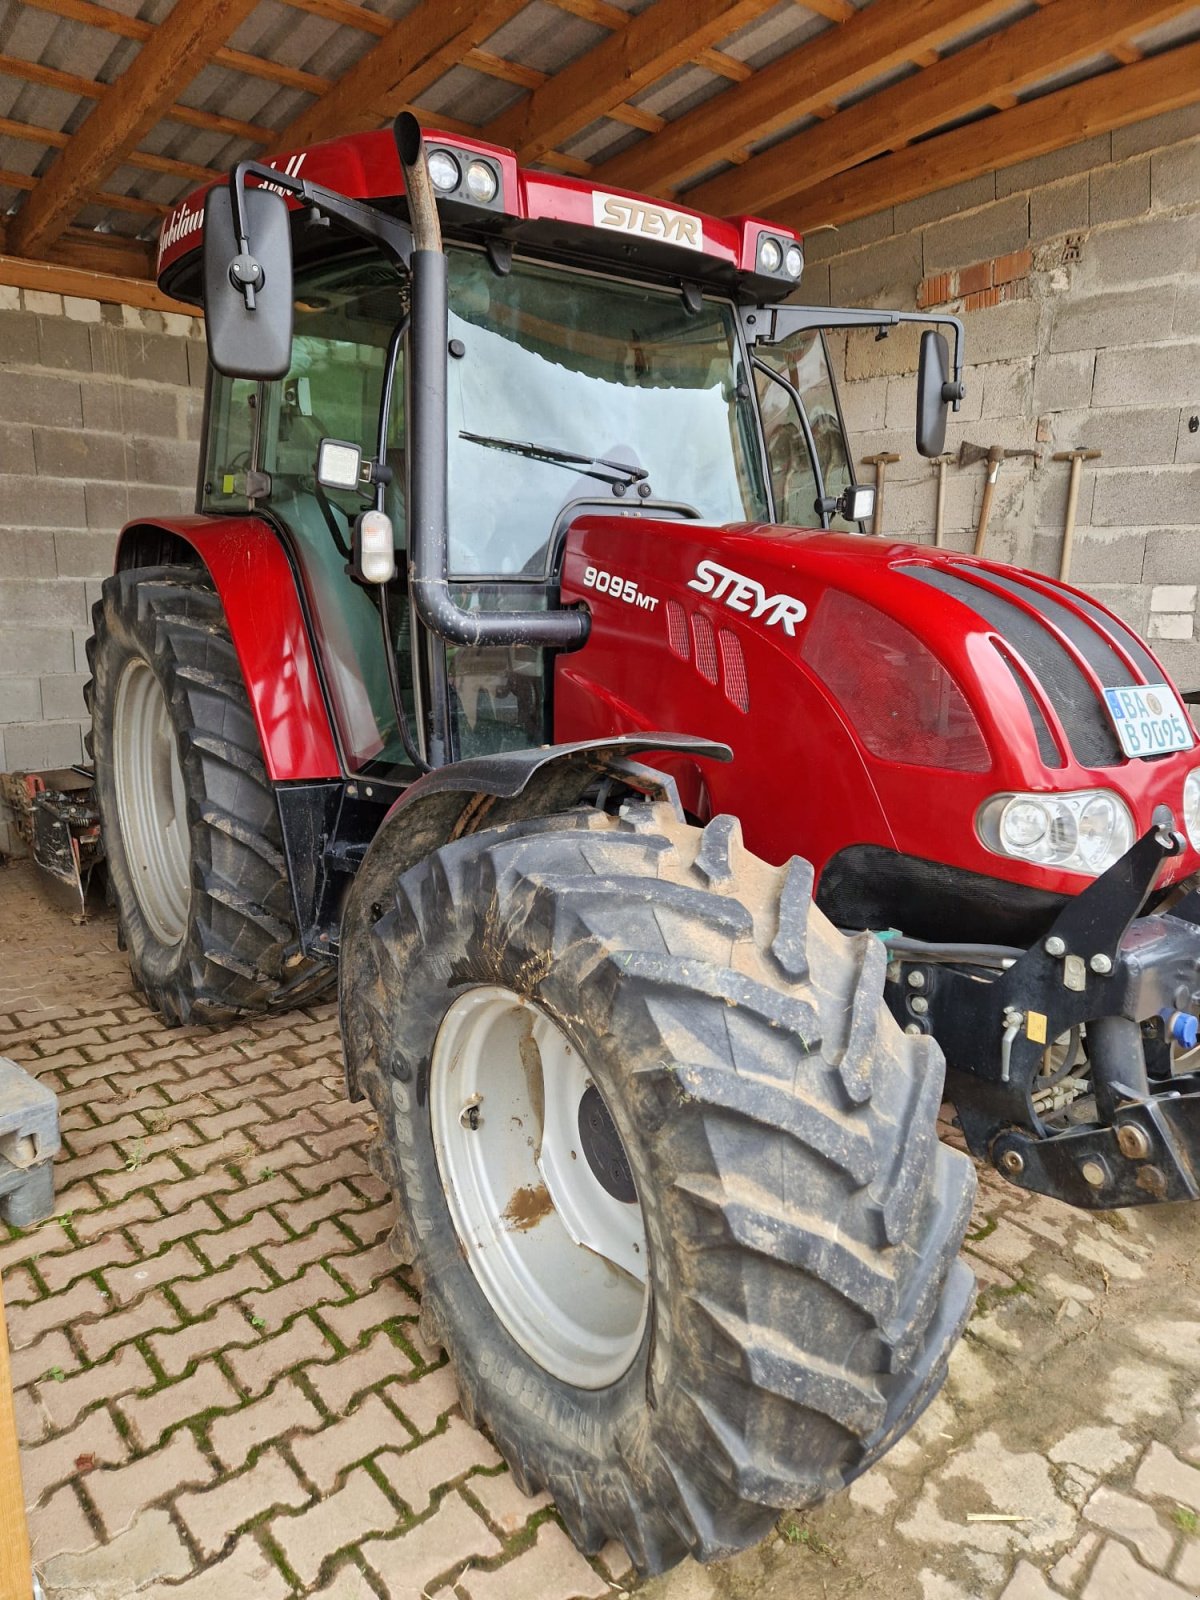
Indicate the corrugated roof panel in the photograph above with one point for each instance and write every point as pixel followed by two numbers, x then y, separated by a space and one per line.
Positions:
pixel 783 28
pixel 544 37
pixel 469 96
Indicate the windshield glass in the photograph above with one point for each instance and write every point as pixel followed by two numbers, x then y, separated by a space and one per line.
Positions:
pixel 547 364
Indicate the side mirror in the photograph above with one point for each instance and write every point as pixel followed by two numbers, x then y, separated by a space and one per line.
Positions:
pixel 248 340
pixel 934 393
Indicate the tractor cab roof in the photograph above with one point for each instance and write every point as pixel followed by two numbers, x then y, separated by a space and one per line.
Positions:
pixel 543 213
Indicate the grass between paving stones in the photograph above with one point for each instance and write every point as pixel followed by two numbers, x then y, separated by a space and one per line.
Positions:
pixel 794 1532
pixel 995 1294
pixel 1186 1520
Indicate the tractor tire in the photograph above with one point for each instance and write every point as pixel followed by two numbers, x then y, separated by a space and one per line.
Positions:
pixel 667 1171
pixel 190 824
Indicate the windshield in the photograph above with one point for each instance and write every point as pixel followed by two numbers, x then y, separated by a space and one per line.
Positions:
pixel 559 380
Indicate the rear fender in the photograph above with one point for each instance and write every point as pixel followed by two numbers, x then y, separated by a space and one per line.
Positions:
pixel 489 792
pixel 258 588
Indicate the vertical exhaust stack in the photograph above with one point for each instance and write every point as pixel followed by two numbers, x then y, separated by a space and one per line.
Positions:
pixel 428 532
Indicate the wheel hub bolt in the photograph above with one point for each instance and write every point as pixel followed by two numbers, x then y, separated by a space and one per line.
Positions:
pixel 469 1116
pixel 1094 1173
pixel 1100 963
pixel 916 980
pixel 1013 1162
pixel 1133 1142
pixel 920 1005
pixel 1055 946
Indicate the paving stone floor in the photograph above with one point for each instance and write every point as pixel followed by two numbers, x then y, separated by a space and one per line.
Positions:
pixel 221 1389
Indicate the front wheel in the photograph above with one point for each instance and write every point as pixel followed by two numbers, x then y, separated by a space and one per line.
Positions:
pixel 667 1172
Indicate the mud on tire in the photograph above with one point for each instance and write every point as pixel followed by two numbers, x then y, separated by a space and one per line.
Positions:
pixel 237 949
pixel 803 1219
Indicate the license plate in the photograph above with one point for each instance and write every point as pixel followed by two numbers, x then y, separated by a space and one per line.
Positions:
pixel 1149 719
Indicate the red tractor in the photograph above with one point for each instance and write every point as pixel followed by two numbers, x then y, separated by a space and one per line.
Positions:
pixel 523 652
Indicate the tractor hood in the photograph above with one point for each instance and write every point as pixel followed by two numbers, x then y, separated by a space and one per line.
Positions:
pixel 875 693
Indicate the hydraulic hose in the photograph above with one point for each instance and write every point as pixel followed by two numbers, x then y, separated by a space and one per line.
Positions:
pixel 562 629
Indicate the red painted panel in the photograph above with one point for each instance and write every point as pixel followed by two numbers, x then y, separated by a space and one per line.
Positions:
pixel 807 776
pixel 254 579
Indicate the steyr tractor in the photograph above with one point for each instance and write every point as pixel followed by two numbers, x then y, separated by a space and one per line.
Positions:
pixel 527 667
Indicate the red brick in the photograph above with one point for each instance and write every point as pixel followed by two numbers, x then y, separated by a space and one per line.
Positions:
pixel 350 1137
pixel 259 1193
pixel 372 1225
pixel 218 1123
pixel 409 1564
pixel 300 1215
pixel 120 1494
pixel 148 1176
pixel 260 1229
pixel 270 1135
pixel 369 1311
pixel 64 1402
pixel 343 1380
pixel 936 290
pixel 201 1294
pixel 213 1514
pixel 27 1322
pixel 96 1224
pixel 65 1266
pixel 178 1224
pixel 284 1413
pixel 127 1284
pixel 324 1241
pixel 176 1351
pixel 1018 264
pixel 47 1465
pixel 60 1527
pixel 342 1519
pixel 246 1570
pixel 369 1267
pixel 449 1455
pixel 983 299
pixel 258 1367
pixel 152 1415
pixel 324 1456
pixel 427 1400
pixel 314 1287
pixel 974 279
pixel 98 1338
pixel 126 1127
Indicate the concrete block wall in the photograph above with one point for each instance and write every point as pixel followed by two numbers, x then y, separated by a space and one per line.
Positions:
pixel 1078 279
pixel 100 411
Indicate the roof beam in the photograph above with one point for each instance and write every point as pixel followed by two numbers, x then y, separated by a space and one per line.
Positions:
pixel 19 272
pixel 414 53
pixel 829 66
pixel 163 66
pixel 1097 105
pixel 653 43
pixel 89 89
pixel 52 139
pixel 1063 34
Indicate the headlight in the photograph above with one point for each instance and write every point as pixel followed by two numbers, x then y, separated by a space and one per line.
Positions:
pixel 770 256
pixel 1082 832
pixel 794 261
pixel 1191 807
pixel 481 182
pixel 444 171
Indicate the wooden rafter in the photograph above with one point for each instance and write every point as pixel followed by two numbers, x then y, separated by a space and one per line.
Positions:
pixel 116 22
pixel 164 65
pixel 51 139
pixel 1062 35
pixel 828 66
pixel 1097 105
pixel 414 53
pixel 95 197
pixel 18 272
pixel 89 89
pixel 655 42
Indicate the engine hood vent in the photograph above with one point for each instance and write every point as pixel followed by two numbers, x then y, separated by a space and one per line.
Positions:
pixel 1059 641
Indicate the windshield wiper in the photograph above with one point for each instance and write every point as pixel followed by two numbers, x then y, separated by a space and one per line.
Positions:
pixel 601 467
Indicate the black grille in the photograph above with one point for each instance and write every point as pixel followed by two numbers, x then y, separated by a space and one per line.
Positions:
pixel 1083 717
pixel 1047 749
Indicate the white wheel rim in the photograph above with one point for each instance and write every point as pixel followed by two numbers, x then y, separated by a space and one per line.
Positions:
pixel 151 802
pixel 561 1260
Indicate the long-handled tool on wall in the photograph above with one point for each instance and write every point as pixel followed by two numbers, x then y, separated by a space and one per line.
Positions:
pixel 993 455
pixel 1076 458
pixel 939 521
pixel 880 463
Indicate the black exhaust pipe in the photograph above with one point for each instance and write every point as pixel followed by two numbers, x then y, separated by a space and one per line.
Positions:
pixel 563 629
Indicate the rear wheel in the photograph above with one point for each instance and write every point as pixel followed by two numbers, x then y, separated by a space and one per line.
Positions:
pixel 667 1172
pixel 191 829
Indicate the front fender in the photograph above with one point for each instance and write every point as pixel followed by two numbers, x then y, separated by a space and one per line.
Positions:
pixel 259 591
pixel 487 792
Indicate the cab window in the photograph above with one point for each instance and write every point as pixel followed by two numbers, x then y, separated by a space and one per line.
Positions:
pixel 800 472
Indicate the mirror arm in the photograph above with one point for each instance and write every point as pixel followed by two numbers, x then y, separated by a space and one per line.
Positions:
pixel 246 273
pixel 770 324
